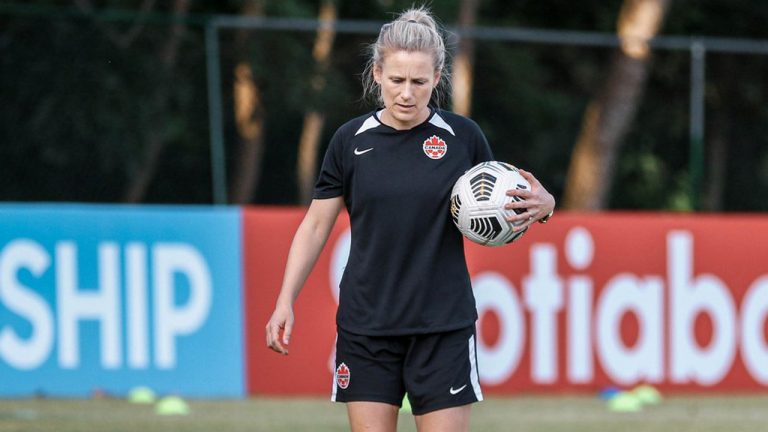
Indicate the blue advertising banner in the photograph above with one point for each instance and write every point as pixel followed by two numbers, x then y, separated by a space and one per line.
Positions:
pixel 99 298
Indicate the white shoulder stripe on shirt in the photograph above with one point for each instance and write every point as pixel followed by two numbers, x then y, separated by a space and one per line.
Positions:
pixel 439 122
pixel 369 123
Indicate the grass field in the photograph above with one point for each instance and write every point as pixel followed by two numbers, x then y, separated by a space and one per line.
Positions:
pixel 524 414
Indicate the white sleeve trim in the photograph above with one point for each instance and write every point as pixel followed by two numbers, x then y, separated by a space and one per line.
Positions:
pixel 439 122
pixel 369 123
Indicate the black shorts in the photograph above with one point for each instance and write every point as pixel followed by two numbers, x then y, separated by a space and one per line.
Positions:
pixel 437 370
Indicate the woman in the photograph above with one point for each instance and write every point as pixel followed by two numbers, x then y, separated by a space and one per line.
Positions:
pixel 406 316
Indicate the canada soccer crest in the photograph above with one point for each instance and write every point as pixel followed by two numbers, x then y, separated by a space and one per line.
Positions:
pixel 342 376
pixel 435 147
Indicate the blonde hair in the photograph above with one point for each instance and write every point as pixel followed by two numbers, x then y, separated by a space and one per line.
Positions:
pixel 415 30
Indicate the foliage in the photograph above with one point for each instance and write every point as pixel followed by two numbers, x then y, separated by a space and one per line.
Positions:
pixel 79 104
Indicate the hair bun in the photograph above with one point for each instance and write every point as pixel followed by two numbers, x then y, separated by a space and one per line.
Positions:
pixel 420 15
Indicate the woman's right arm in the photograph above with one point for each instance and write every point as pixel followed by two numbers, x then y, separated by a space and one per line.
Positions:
pixel 307 244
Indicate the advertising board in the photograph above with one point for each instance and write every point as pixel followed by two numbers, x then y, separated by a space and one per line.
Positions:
pixel 585 301
pixel 105 298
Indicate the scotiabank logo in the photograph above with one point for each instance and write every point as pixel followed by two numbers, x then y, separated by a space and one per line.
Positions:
pixel 563 321
pixel 571 330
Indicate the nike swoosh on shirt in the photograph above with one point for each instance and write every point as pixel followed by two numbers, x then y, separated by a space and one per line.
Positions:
pixel 453 392
pixel 359 152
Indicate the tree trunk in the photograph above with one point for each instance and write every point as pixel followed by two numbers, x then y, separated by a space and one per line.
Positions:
pixel 719 139
pixel 717 156
pixel 249 118
pixel 463 61
pixel 156 140
pixel 608 117
pixel 313 119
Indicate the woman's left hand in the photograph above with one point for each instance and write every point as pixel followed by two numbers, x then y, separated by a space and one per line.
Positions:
pixel 537 203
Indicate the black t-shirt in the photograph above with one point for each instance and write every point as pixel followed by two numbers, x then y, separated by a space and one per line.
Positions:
pixel 406 272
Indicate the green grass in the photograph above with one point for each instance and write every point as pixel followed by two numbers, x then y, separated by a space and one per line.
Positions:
pixel 523 414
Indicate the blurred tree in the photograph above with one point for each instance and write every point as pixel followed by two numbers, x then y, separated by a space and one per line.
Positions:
pixel 654 166
pixel 86 92
pixel 142 173
pixel 249 115
pixel 314 119
pixel 608 118
pixel 736 108
pixel 464 59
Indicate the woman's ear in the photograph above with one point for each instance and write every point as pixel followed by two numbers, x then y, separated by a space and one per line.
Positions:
pixel 437 78
pixel 377 74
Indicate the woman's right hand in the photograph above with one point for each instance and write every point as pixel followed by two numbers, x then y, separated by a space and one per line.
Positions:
pixel 309 240
pixel 282 319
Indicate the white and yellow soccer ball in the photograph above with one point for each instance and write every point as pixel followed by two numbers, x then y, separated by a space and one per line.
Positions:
pixel 478 199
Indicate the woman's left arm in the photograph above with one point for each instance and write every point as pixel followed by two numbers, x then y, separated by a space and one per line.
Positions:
pixel 537 202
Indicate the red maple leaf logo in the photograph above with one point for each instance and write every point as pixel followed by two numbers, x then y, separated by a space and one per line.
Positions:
pixel 342 376
pixel 435 147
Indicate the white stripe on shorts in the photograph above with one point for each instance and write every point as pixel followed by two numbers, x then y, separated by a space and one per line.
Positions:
pixel 474 377
pixel 333 368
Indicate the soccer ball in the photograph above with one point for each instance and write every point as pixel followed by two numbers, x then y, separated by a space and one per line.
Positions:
pixel 478 199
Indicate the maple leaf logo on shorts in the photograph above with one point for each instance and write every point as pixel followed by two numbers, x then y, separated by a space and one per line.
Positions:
pixel 342 376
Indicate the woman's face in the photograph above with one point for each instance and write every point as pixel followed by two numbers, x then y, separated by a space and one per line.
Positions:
pixel 406 79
